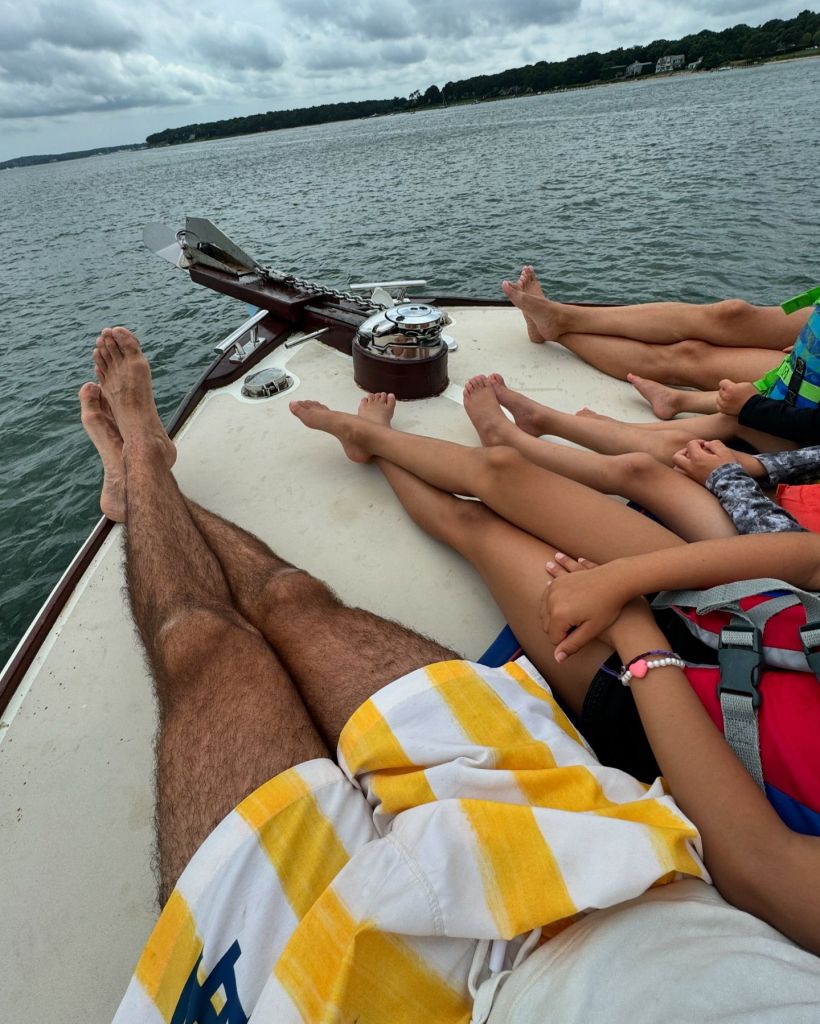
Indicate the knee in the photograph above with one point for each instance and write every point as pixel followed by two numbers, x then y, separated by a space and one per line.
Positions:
pixel 463 523
pixel 297 589
pixel 688 352
pixel 635 467
pixel 677 363
pixel 499 461
pixel 195 636
pixel 730 310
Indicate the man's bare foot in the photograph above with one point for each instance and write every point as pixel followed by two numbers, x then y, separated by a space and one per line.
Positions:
pixel 102 430
pixel 486 415
pixel 378 408
pixel 543 316
pixel 665 401
pixel 340 424
pixel 125 382
pixel 528 414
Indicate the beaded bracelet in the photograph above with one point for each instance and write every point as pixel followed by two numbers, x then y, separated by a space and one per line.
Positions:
pixel 641 664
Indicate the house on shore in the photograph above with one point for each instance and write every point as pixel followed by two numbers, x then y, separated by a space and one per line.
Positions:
pixel 636 68
pixel 670 63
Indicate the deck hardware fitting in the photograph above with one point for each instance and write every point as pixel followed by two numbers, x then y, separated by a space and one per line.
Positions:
pixel 305 337
pixel 273 380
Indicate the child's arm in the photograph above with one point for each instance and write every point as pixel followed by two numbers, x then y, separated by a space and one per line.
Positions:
pixel 700 460
pixel 729 476
pixel 588 602
pixel 756 862
pixel 794 467
pixel 746 504
pixel 773 416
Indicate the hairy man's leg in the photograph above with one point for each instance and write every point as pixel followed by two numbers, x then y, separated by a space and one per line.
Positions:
pixel 337 656
pixel 230 718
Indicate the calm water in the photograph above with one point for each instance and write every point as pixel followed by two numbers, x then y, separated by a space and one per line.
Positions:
pixel 693 187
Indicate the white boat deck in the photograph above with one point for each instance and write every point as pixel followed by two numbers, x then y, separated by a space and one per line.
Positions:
pixel 76 889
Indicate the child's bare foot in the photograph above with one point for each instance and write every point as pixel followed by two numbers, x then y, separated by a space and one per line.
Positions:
pixel 665 401
pixel 340 424
pixel 125 383
pixel 592 414
pixel 542 315
pixel 528 414
pixel 378 408
pixel 486 415
pixel 530 284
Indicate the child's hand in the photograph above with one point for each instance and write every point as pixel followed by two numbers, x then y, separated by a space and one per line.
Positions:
pixel 580 602
pixel 699 458
pixel 731 397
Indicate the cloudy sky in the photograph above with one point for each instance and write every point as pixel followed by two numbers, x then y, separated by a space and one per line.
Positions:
pixel 106 72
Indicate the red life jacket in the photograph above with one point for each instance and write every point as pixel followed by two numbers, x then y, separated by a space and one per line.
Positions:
pixel 765 693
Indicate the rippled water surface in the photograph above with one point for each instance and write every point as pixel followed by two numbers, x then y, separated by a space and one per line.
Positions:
pixel 694 187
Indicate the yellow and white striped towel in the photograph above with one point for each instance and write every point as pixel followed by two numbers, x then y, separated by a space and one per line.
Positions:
pixel 464 806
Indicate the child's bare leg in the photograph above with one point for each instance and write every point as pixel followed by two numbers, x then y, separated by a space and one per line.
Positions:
pixel 574 514
pixel 689 363
pixel 732 323
pixel 667 402
pixel 683 505
pixel 612 437
pixel 511 563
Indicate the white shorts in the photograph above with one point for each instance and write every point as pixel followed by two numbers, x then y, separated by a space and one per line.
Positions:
pixel 464 807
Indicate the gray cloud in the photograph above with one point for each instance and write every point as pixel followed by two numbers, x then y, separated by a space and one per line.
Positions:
pixel 80 60
pixel 329 57
pixel 64 83
pixel 410 52
pixel 85 26
pixel 374 19
pixel 239 47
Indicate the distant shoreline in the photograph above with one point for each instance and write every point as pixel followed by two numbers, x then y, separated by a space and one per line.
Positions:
pixel 33 161
pixel 56 158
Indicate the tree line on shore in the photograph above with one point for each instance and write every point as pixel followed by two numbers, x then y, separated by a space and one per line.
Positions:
pixel 713 49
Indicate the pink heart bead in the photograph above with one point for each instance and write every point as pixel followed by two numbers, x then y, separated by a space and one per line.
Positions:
pixel 639 668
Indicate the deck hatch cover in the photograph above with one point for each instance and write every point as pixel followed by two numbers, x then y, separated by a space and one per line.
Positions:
pixel 266 383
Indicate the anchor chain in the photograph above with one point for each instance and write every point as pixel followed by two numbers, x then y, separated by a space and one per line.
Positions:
pixel 314 288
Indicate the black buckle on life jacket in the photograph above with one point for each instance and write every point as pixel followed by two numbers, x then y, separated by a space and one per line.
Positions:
pixel 740 656
pixel 810 639
pixel 796 379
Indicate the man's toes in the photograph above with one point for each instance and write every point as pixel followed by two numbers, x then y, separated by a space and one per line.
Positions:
pixel 89 395
pixel 112 352
pixel 125 340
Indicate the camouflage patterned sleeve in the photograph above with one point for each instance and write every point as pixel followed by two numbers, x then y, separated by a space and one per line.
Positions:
pixel 745 504
pixel 801 466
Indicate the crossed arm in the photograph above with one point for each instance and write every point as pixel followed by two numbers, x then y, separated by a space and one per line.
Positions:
pixel 756 862
pixel 759 864
pixel 591 601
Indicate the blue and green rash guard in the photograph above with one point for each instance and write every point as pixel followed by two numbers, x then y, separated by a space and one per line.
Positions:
pixel 797 380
